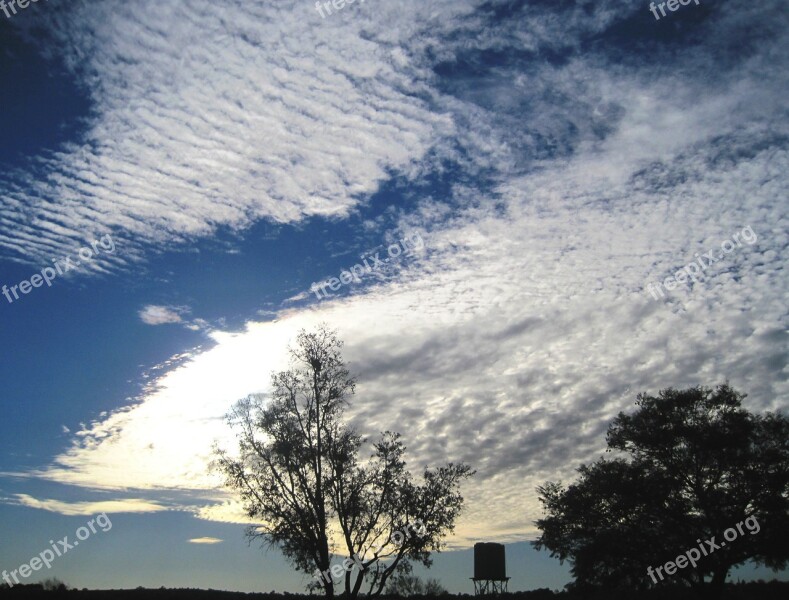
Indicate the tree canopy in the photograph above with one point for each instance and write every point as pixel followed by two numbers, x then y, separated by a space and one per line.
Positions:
pixel 300 476
pixel 688 466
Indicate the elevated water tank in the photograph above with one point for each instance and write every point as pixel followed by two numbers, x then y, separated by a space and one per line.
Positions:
pixel 490 562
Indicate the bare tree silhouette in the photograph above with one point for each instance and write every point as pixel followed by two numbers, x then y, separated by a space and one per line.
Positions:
pixel 298 472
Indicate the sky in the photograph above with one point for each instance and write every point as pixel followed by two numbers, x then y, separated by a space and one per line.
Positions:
pixel 554 205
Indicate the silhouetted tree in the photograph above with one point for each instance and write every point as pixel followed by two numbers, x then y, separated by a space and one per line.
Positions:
pixel 298 472
pixel 408 584
pixel 53 584
pixel 694 463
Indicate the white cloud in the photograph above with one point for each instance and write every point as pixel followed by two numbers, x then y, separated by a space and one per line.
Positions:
pixel 228 121
pixel 199 325
pixel 126 505
pixel 511 348
pixel 205 540
pixel 224 511
pixel 160 315
pixel 512 342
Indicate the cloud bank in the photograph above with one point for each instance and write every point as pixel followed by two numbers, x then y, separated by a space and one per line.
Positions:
pixel 584 166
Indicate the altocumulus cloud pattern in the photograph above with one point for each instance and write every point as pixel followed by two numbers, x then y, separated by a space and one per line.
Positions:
pixel 555 157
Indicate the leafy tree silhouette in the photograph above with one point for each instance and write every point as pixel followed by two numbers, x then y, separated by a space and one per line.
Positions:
pixel 693 463
pixel 299 474
pixel 408 584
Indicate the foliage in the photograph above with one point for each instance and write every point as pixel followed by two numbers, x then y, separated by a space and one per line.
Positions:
pixel 692 463
pixel 299 475
pixel 408 584
pixel 53 584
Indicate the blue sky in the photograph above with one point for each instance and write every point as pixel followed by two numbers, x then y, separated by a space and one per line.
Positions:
pixel 554 158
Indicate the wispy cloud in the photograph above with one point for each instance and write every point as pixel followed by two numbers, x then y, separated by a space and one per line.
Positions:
pixel 126 505
pixel 205 540
pixel 161 315
pixel 511 347
pixel 194 136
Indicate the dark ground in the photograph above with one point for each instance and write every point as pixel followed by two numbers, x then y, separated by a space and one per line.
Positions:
pixel 773 590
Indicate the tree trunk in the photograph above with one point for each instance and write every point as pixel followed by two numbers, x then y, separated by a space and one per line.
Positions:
pixel 320 501
pixel 357 586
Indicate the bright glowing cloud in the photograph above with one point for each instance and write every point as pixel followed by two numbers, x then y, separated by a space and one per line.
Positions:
pixel 513 342
pixel 125 505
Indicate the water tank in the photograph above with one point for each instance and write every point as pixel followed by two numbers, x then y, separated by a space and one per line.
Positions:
pixel 489 561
